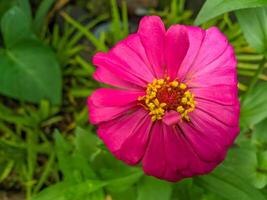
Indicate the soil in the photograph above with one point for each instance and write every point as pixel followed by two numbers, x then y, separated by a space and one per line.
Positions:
pixel 11 196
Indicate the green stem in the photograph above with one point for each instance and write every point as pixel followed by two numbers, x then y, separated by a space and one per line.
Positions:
pixel 46 172
pixel 254 79
pixel 82 29
pixel 181 5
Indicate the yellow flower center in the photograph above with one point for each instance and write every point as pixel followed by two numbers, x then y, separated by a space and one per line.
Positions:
pixel 164 95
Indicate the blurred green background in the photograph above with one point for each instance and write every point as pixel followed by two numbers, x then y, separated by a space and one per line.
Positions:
pixel 48 149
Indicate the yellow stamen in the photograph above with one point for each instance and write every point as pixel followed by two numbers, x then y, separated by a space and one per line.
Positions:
pixel 160 97
pixel 183 86
pixel 174 84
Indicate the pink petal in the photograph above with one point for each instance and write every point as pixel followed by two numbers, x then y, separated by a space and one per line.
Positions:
pixel 106 103
pixel 196 36
pixel 152 33
pixel 102 114
pixel 228 115
pixel 177 45
pixel 228 131
pixel 212 48
pixel 171 118
pixel 103 75
pixel 154 161
pixel 198 167
pixel 115 66
pixel 134 42
pixel 221 94
pixel 208 137
pixel 220 71
pixel 126 137
pixel 106 97
pixel 178 152
pixel 170 155
pixel 206 149
pixel 182 158
pixel 133 148
pixel 131 60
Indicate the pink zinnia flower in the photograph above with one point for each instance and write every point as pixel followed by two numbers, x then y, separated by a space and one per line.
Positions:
pixel 175 104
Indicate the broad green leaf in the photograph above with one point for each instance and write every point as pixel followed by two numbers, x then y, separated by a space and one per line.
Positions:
pixel 185 189
pixel 260 175
pixel 129 194
pixel 41 13
pixel 259 135
pixel 251 165
pixel 14 34
pixel 253 109
pixel 86 143
pixel 25 6
pixel 119 175
pixel 151 188
pixel 6 5
pixel 63 151
pixel 122 183
pixel 213 8
pixel 210 196
pixel 75 167
pixel 69 190
pixel 72 164
pixel 30 72
pixel 228 184
pixel 253 23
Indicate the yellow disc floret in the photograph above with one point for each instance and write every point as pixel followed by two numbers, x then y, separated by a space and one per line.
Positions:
pixel 163 95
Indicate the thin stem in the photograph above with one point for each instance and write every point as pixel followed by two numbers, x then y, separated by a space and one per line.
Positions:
pixel 254 79
pixel 46 172
pixel 82 29
pixel 181 5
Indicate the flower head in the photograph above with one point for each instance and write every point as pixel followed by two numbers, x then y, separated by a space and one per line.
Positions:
pixel 175 105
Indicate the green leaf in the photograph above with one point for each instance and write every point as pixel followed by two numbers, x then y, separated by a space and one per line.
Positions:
pixel 30 72
pixel 69 190
pixel 122 183
pixel 75 167
pixel 41 13
pixel 12 151
pixel 116 22
pixel 151 188
pixel 129 194
pixel 25 6
pixel 5 169
pixel 260 180
pixel 185 189
pixel 259 135
pixel 228 184
pixel 13 34
pixel 213 8
pixel 249 164
pixel 253 108
pixel 63 150
pixel 8 115
pixel 72 164
pixel 99 44
pixel 253 23
pixel 5 5
pixel 119 175
pixel 86 143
